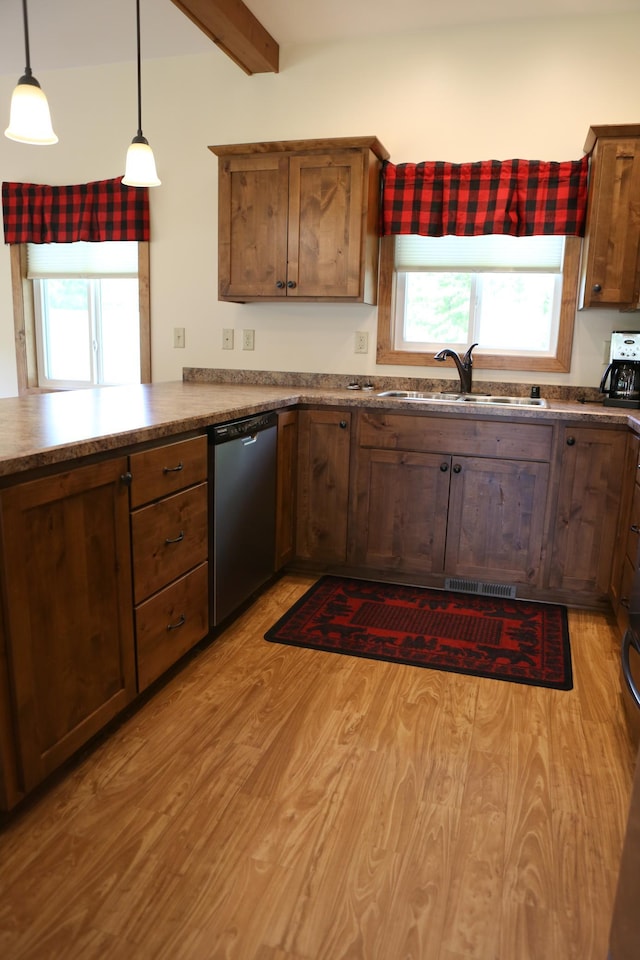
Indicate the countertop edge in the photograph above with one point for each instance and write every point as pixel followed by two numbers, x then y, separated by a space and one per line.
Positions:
pixel 48 429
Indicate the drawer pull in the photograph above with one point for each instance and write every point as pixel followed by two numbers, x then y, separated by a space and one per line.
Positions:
pixel 173 469
pixel 175 539
pixel 179 622
pixel 634 528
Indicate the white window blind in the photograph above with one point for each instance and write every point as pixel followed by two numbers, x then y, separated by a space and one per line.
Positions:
pixel 108 259
pixel 492 253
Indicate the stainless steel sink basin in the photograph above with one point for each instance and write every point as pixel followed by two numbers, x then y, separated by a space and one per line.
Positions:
pixel 464 398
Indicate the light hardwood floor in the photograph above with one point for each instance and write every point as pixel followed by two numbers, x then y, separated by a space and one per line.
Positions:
pixel 273 803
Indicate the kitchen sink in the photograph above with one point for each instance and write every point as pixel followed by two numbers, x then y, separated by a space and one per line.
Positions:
pixel 464 398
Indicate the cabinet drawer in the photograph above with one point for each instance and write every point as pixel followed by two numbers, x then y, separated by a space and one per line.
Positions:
pixel 170 623
pixel 483 438
pixel 169 538
pixel 166 469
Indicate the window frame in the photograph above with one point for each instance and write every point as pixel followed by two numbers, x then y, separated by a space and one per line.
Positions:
pixel 25 323
pixel 560 363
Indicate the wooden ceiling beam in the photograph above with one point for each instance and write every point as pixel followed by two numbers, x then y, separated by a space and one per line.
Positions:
pixel 233 28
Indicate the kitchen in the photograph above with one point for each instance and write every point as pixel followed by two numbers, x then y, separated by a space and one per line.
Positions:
pixel 585 60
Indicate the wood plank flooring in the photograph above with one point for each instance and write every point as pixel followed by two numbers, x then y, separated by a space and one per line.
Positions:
pixel 273 803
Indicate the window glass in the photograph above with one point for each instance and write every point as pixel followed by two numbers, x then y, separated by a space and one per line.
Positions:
pixel 502 292
pixel 87 315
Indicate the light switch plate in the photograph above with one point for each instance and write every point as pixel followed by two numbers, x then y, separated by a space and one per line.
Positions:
pixel 178 337
pixel 227 338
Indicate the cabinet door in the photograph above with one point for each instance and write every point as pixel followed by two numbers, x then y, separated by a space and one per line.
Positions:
pixel 323 485
pixel 252 240
pixel 496 519
pixel 286 486
pixel 591 472
pixel 401 511
pixel 69 611
pixel 612 238
pixel 325 225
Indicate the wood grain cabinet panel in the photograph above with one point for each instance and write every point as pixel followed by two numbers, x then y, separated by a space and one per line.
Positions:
pixel 170 623
pixel 401 511
pixel 286 483
pixel 423 507
pixel 496 519
pixel 324 442
pixel 298 220
pixel 68 610
pixel 586 518
pixel 610 269
pixel 170 540
pixel 169 537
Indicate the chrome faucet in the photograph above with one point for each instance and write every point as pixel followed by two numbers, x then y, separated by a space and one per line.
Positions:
pixel 464 365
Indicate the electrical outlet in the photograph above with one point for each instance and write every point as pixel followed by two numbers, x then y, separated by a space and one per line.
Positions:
pixel 227 338
pixel 362 342
pixel 178 337
pixel 248 339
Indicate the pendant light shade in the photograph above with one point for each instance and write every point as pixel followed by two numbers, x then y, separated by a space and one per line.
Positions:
pixel 29 120
pixel 140 168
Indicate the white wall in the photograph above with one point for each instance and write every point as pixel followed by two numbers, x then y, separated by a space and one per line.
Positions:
pixel 526 90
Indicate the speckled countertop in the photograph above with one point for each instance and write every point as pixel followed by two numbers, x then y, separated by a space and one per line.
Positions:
pixel 43 429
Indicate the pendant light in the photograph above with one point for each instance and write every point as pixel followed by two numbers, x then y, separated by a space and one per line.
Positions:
pixel 29 120
pixel 140 167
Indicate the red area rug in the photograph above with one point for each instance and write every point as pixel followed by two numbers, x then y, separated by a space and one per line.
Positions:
pixel 483 636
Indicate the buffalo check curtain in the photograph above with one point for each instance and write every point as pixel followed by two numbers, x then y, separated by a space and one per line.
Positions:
pixel 522 198
pixel 97 211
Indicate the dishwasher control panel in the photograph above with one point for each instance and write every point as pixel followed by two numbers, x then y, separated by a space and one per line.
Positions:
pixel 242 428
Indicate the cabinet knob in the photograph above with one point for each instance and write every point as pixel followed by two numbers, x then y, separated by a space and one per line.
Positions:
pixel 279 284
pixel 126 479
pixel 343 424
pixel 457 468
pixel 444 467
pixel 571 441
pixel 625 602
pixel 291 284
pixel 597 288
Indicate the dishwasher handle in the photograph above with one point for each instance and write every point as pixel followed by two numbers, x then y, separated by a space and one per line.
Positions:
pixel 247 441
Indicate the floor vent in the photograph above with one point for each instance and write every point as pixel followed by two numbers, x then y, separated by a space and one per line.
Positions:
pixel 477 586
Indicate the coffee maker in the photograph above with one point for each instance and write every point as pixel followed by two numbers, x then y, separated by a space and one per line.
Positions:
pixel 623 372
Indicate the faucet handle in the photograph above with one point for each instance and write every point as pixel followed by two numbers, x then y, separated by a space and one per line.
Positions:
pixel 467 357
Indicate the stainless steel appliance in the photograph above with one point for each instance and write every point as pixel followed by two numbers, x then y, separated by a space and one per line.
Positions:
pixel 621 380
pixel 243 510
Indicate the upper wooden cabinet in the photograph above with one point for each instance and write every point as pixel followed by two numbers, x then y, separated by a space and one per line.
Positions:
pixel 610 270
pixel 299 220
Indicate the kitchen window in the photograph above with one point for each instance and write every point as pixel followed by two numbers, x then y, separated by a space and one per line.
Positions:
pixel 515 296
pixel 80 330
pixel 87 318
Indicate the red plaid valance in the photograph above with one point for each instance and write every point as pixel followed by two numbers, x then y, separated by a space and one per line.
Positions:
pixel 522 198
pixel 98 211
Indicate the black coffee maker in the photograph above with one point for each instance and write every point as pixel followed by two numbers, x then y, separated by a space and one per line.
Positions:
pixel 623 372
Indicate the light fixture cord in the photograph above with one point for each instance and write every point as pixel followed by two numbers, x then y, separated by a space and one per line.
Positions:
pixel 139 70
pixel 27 69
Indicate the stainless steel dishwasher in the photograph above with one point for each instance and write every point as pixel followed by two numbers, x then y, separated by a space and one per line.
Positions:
pixel 242 471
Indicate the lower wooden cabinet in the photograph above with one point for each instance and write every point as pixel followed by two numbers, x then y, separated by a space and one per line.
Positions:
pixel 423 513
pixel 170 541
pixel 68 611
pixel 286 484
pixel 496 519
pixel 170 622
pixel 585 520
pixel 324 443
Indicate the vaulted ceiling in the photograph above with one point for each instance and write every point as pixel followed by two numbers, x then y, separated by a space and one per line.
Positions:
pixel 74 33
